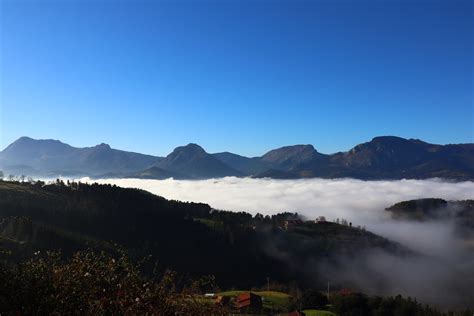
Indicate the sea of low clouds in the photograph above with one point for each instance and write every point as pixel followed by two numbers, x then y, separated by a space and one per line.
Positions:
pixel 360 202
pixel 446 260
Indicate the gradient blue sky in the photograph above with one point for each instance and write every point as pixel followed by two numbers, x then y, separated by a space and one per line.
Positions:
pixel 241 76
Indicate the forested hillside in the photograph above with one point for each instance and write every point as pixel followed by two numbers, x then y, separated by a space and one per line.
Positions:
pixel 238 248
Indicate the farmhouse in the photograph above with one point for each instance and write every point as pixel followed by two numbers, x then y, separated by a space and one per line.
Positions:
pixel 248 300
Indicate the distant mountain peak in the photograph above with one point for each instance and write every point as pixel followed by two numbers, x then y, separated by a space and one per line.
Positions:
pixel 381 143
pixel 19 142
pixel 103 146
pixel 26 140
pixel 28 144
pixel 388 138
pixel 292 149
pixel 51 157
pixel 188 149
pixel 298 153
pixel 23 138
pixel 395 140
pixel 193 146
pixel 194 161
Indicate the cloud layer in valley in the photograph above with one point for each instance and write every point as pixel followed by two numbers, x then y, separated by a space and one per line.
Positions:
pixel 446 261
pixel 352 199
pixel 361 202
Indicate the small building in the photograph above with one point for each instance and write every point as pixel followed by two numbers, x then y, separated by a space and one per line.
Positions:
pixel 248 300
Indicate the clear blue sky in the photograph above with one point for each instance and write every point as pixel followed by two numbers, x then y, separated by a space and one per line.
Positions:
pixel 246 77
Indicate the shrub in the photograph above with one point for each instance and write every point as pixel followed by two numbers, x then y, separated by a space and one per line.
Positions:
pixel 93 283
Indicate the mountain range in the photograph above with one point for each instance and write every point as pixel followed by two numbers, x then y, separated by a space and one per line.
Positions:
pixel 384 157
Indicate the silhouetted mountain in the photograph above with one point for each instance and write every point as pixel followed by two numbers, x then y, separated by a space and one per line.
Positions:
pixel 290 157
pixel 276 163
pixel 389 157
pixel 247 166
pixel 395 157
pixel 194 162
pixel 385 157
pixel 52 157
pixel 36 154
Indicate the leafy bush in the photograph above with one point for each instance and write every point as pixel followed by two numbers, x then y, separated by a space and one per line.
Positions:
pixel 93 283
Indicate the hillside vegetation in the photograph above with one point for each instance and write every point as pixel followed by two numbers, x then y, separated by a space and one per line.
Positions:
pixel 431 209
pixel 75 248
pixel 238 248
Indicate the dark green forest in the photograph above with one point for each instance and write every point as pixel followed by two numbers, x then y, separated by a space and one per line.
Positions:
pixel 191 238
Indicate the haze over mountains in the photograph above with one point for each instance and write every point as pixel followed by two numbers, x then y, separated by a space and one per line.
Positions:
pixel 386 157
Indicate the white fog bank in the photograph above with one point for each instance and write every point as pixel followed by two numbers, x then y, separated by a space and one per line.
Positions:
pixel 352 199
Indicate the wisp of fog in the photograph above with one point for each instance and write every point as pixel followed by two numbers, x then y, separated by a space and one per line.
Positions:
pixel 445 262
